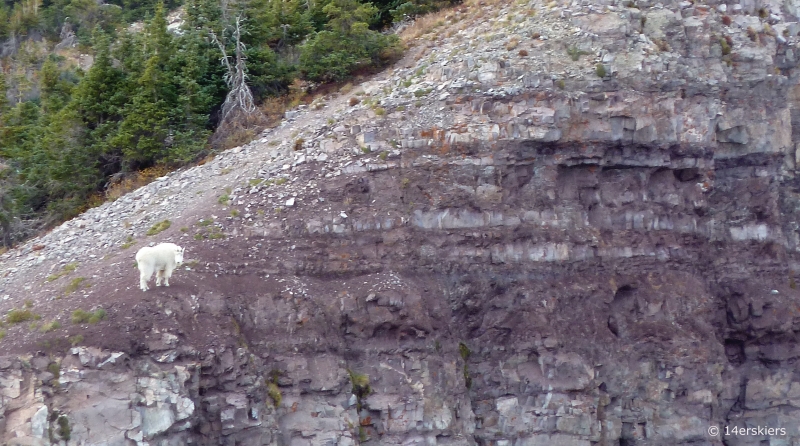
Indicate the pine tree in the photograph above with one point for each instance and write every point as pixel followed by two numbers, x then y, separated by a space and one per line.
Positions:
pixel 197 95
pixel 347 17
pixel 161 124
pixel 55 92
pixel 144 129
pixel 277 22
pixel 100 95
pixel 98 103
pixel 71 166
pixel 348 43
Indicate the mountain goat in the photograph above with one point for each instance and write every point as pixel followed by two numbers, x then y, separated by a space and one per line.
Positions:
pixel 161 259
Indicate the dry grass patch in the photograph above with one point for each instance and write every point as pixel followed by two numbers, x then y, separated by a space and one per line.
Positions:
pixel 512 43
pixel 426 24
pixel 237 129
pixel 134 180
pixel 274 108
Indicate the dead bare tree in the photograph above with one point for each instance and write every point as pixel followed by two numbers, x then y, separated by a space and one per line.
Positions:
pixel 239 97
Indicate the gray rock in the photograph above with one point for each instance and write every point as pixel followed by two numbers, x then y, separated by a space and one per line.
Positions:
pixel 155 420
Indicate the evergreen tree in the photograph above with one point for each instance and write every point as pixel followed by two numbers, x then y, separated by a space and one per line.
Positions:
pixel 202 16
pixel 347 45
pixel 99 97
pixel 55 92
pixel 278 22
pixel 70 169
pixel 162 123
pixel 144 128
pixel 198 93
pixel 98 102
pixel 347 17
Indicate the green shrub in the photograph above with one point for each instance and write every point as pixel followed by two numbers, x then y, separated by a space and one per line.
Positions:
pixel 55 369
pixel 422 92
pixel 97 316
pixel 50 326
pixel 63 428
pixel 212 232
pixel 465 353
pixel 159 227
pixel 19 316
pixel 360 386
pixel 80 316
pixel 74 285
pixel 726 48
pixel 574 53
pixel 68 268
pixel 128 242
pixel 600 70
pixel 275 393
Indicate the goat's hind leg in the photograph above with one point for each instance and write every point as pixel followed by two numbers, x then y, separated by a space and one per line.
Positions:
pixel 159 277
pixel 144 276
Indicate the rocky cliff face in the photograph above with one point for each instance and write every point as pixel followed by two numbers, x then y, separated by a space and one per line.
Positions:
pixel 497 245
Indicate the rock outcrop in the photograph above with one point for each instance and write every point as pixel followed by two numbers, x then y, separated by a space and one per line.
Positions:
pixel 560 224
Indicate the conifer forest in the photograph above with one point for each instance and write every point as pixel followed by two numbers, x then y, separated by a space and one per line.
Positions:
pixel 155 97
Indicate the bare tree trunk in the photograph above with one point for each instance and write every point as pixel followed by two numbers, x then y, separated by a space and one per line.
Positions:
pixel 239 97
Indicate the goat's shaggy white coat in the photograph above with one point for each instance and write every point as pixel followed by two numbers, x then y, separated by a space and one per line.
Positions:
pixel 161 259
